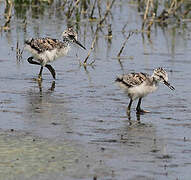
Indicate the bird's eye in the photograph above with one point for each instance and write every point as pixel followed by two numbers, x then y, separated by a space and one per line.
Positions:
pixel 161 77
pixel 72 36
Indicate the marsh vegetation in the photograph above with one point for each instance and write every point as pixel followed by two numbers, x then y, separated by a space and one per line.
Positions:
pixel 50 130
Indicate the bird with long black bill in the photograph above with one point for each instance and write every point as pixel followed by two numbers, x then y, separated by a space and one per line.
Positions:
pixel 46 50
pixel 139 85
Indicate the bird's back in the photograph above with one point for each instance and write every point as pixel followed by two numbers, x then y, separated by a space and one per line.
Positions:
pixel 44 44
pixel 132 79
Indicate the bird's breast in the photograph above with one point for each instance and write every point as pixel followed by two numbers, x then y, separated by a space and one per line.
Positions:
pixel 141 90
pixel 62 52
pixel 49 56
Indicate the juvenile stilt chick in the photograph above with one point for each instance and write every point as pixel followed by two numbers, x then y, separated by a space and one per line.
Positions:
pixel 47 50
pixel 139 85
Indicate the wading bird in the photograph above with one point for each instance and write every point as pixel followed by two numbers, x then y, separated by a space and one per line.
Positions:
pixel 46 50
pixel 138 85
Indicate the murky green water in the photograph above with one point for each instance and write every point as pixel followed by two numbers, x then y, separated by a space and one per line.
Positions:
pixel 79 129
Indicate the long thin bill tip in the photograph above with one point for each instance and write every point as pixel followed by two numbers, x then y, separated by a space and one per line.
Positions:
pixel 172 88
pixel 77 42
pixel 168 84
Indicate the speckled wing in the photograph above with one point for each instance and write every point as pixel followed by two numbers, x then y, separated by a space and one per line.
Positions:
pixel 132 79
pixel 44 44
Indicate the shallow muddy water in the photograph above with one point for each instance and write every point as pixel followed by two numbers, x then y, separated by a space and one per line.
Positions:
pixel 77 126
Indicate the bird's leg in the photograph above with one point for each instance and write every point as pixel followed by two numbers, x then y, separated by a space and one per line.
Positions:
pixel 129 117
pixel 139 110
pixel 39 85
pixel 30 60
pixel 129 107
pixel 52 86
pixel 138 105
pixel 51 69
pixel 40 74
pixel 48 66
pixel 138 118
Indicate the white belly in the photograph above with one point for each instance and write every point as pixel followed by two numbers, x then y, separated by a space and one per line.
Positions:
pixel 141 91
pixel 47 56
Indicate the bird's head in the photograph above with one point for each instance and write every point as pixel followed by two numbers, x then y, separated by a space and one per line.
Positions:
pixel 161 75
pixel 71 36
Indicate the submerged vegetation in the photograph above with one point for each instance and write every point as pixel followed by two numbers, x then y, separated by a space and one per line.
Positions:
pixel 100 13
pixel 171 11
pixel 151 11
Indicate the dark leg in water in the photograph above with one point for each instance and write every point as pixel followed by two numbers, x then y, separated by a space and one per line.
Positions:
pixel 48 66
pixel 129 106
pixel 40 74
pixel 51 69
pixel 139 110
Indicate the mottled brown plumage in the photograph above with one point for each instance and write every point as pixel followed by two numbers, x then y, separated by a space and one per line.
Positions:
pixel 139 85
pixel 47 50
pixel 133 79
pixel 45 44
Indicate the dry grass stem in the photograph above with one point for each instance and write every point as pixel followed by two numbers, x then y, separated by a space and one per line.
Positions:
pixel 150 23
pixel 124 43
pixel 146 10
pixel 93 8
pixel 97 29
pixel 19 52
pixel 8 11
pixel 74 7
pixel 92 46
pixel 107 12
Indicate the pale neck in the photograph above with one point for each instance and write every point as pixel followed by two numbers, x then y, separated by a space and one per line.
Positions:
pixel 156 82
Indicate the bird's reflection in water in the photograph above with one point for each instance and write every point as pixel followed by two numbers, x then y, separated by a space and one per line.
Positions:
pixel 133 122
pixel 39 101
pixel 45 109
pixel 50 89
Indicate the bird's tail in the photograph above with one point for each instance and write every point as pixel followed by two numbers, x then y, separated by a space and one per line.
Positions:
pixel 118 79
pixel 27 42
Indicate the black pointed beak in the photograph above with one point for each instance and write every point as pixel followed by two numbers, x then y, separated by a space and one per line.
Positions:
pixel 168 84
pixel 77 42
